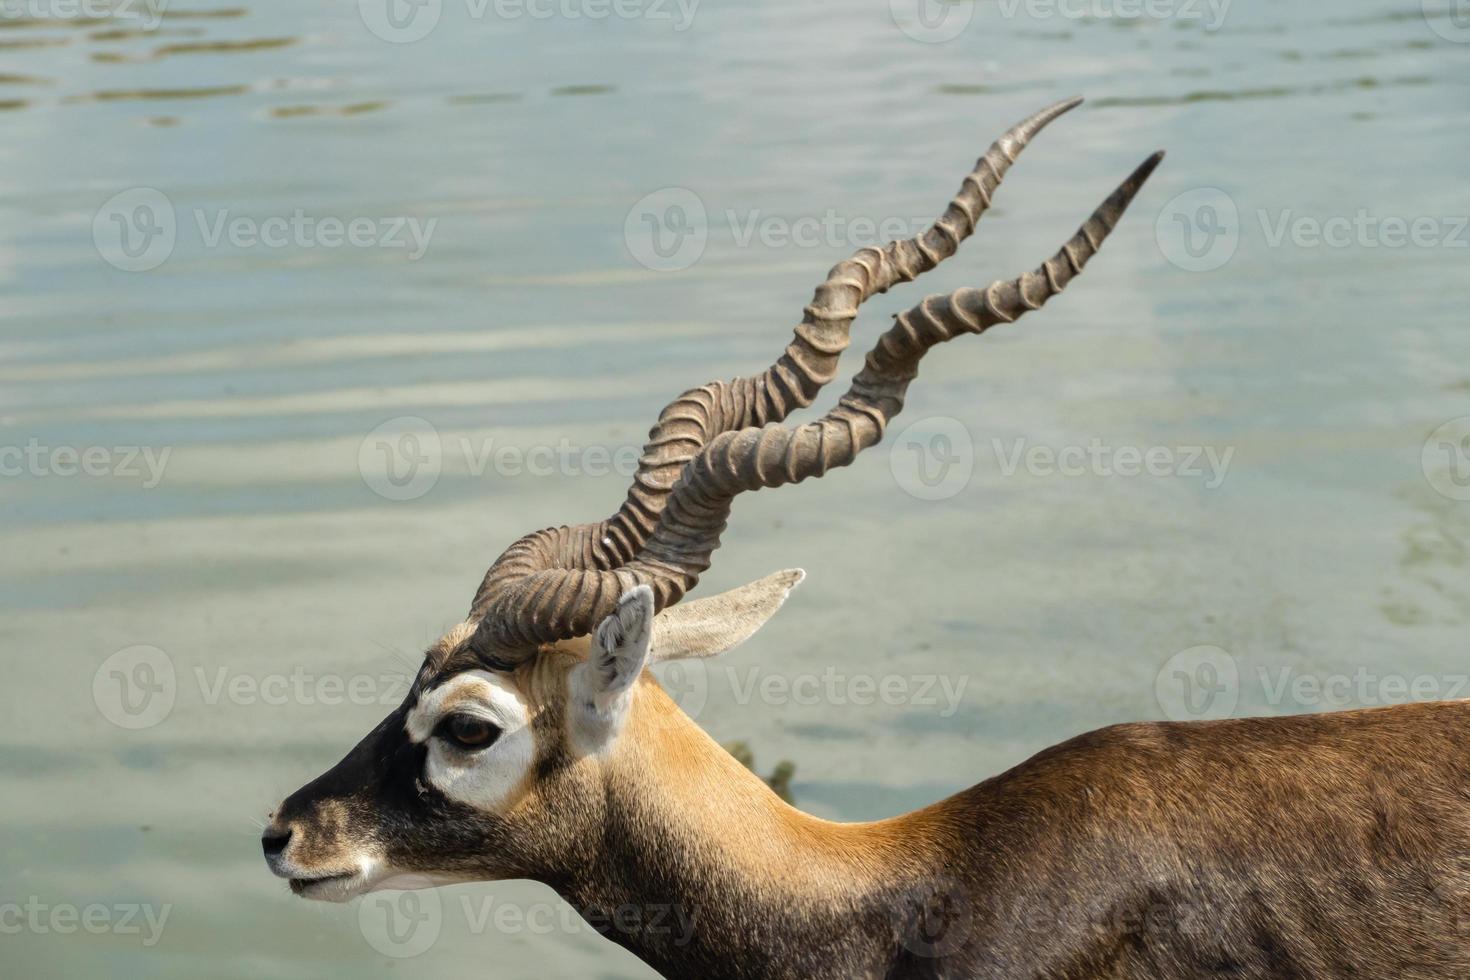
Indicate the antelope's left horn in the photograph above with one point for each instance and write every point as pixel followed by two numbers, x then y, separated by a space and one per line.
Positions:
pixel 537 562
pixel 546 596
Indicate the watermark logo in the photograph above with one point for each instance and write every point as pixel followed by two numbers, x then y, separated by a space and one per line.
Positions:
pixel 1198 684
pixel 406 920
pixel 1446 459
pixel 933 916
pixel 402 917
pixel 402 458
pixel 135 688
pixel 1206 683
pixel 1199 230
pixel 667 231
pixel 830 229
pixel 139 687
pixel 1452 22
pixel 687 683
pixel 933 458
pixel 136 230
pixel 400 21
pixel 932 21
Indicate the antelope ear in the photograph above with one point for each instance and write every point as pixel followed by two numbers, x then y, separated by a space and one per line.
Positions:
pixel 706 627
pixel 620 645
pixel 601 684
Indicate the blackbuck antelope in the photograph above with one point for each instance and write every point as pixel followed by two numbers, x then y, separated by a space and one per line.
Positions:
pixel 536 744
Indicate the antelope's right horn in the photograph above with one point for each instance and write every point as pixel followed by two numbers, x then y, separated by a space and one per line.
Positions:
pixel 548 601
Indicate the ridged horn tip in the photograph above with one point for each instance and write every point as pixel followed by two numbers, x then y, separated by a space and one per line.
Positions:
pixel 1143 170
pixel 1046 115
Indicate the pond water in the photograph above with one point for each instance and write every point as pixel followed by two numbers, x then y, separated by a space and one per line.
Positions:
pixel 241 242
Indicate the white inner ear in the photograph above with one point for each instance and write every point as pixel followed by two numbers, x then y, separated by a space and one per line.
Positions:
pixel 707 627
pixel 487 778
pixel 601 688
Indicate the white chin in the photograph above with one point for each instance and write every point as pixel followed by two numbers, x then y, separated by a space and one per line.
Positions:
pixel 337 889
pixel 370 877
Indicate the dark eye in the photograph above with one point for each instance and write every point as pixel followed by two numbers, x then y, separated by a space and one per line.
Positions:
pixel 468 731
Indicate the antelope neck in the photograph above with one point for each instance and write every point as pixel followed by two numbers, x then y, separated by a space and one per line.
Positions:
pixel 704 871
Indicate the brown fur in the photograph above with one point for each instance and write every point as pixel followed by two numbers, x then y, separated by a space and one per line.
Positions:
pixel 1314 846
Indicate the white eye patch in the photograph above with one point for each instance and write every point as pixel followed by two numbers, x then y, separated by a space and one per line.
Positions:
pixel 485 778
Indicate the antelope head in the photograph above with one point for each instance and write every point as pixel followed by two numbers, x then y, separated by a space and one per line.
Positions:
pixel 534 742
pixel 493 768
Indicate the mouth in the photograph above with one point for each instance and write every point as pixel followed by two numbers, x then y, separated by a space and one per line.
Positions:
pixel 336 887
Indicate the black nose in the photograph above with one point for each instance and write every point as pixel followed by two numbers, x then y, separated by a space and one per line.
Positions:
pixel 273 841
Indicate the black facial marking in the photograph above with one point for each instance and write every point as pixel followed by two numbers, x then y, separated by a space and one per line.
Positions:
pixel 379 795
pixel 383 766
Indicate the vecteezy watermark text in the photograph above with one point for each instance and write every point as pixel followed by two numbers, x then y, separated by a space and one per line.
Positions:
pixel 841 688
pixel 147 14
pixel 1208 682
pixel 404 918
pixel 304 230
pixel 933 458
pixel 138 687
pixel 1201 230
pixel 1099 459
pixel 937 21
pixel 689 684
pixel 406 21
pixel 36 459
pixel 403 458
pixel 669 229
pixel 1210 14
pixel 1362 229
pixel 138 229
pixel 301 686
pixel 39 917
